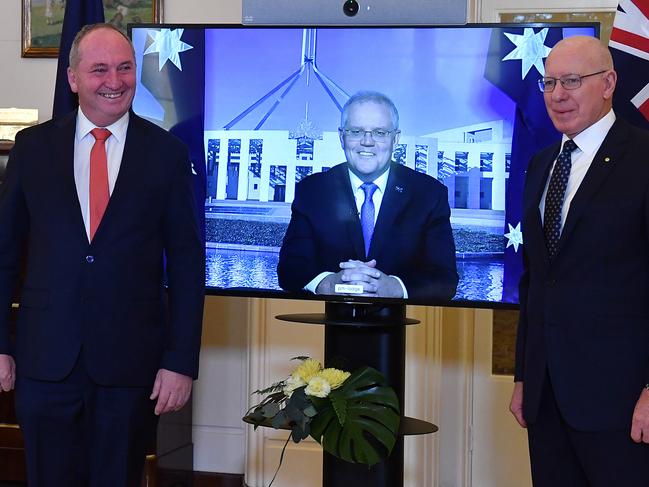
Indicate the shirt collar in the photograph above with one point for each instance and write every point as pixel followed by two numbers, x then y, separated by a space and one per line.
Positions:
pixel 591 138
pixel 381 182
pixel 117 128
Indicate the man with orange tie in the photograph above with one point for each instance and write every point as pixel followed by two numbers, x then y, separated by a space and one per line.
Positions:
pixel 96 202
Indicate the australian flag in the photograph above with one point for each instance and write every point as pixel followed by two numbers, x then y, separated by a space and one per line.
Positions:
pixel 629 45
pixel 77 14
pixel 170 91
pixel 515 64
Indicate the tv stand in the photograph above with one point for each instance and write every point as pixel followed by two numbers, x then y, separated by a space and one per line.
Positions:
pixel 367 334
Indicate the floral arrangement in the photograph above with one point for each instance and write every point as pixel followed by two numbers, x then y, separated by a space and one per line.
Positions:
pixel 354 416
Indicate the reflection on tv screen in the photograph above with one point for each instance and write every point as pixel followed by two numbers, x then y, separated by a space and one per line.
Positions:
pixel 260 109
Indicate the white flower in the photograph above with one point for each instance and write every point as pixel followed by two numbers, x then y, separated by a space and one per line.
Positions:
pixel 318 387
pixel 293 382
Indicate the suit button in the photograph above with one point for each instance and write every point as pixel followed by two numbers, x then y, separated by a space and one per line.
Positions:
pixel 90 259
pixel 551 282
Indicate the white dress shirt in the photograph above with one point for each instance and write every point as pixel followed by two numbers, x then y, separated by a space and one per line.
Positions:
pixel 83 142
pixel 588 143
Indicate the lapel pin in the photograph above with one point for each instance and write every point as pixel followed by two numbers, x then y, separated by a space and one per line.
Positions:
pixel 398 189
pixel 607 159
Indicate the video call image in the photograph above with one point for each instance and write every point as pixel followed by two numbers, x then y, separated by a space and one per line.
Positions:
pixel 272 105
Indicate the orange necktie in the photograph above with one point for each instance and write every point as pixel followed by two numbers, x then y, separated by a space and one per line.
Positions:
pixel 99 193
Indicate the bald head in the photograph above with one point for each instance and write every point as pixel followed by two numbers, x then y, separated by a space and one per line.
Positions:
pixel 588 49
pixel 572 111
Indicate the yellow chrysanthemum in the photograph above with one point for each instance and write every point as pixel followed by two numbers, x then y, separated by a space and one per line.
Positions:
pixel 334 377
pixel 307 369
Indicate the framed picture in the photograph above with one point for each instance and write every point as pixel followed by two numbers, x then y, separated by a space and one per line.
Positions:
pixel 42 21
pixel 605 18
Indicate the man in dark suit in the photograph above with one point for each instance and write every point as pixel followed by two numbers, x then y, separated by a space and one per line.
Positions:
pixel 582 355
pixel 97 354
pixel 370 223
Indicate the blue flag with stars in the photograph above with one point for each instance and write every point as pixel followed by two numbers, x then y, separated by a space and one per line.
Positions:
pixel 77 14
pixel 174 58
pixel 515 62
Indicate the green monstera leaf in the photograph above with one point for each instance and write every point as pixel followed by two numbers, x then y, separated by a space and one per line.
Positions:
pixel 359 421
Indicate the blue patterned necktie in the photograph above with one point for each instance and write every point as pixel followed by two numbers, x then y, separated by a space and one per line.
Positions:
pixel 554 197
pixel 367 214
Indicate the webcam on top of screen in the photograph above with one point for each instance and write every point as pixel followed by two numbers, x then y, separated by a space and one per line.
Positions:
pixel 350 8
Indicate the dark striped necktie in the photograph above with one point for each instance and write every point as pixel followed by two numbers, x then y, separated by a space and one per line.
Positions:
pixel 555 196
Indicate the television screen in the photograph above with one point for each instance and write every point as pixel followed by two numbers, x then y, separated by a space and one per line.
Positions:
pixel 260 109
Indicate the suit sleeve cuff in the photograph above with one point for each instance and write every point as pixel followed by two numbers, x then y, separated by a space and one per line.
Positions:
pixel 403 287
pixel 179 362
pixel 313 284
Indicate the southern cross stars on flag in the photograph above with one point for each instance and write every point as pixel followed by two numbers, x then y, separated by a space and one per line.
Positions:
pixel 514 64
pixel 630 48
pixel 168 45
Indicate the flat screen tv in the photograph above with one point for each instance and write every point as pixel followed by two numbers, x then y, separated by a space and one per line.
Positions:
pixel 260 109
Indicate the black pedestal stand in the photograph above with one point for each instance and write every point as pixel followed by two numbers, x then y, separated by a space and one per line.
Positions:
pixel 356 335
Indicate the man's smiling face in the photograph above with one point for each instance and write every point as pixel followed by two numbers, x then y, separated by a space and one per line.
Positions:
pixel 368 158
pixel 104 76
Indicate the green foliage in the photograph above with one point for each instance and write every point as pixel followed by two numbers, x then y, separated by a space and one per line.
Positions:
pixel 276 387
pixel 301 358
pixel 359 421
pixel 339 404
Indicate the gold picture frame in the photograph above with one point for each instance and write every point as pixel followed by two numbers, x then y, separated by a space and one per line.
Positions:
pixel 42 21
pixel 605 19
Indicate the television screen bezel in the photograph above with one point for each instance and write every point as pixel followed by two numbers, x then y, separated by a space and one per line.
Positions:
pixel 278 294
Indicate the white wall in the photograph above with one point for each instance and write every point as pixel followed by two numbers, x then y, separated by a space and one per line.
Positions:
pixel 24 83
pixel 29 82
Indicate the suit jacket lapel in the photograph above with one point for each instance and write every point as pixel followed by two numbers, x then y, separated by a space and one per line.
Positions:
pixel 62 144
pixel 603 163
pixel 394 200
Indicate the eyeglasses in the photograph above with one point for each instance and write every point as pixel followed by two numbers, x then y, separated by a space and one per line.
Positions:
pixel 568 81
pixel 376 134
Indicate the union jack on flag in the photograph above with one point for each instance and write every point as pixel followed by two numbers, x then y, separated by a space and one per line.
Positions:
pixel 630 48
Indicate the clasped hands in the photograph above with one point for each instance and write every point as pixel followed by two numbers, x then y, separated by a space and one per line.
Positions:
pixel 375 282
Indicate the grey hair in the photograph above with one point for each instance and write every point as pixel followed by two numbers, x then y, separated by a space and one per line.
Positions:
pixel 370 96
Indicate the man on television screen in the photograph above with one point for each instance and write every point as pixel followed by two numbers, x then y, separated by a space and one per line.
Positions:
pixel 370 226
pixel 582 353
pixel 96 202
